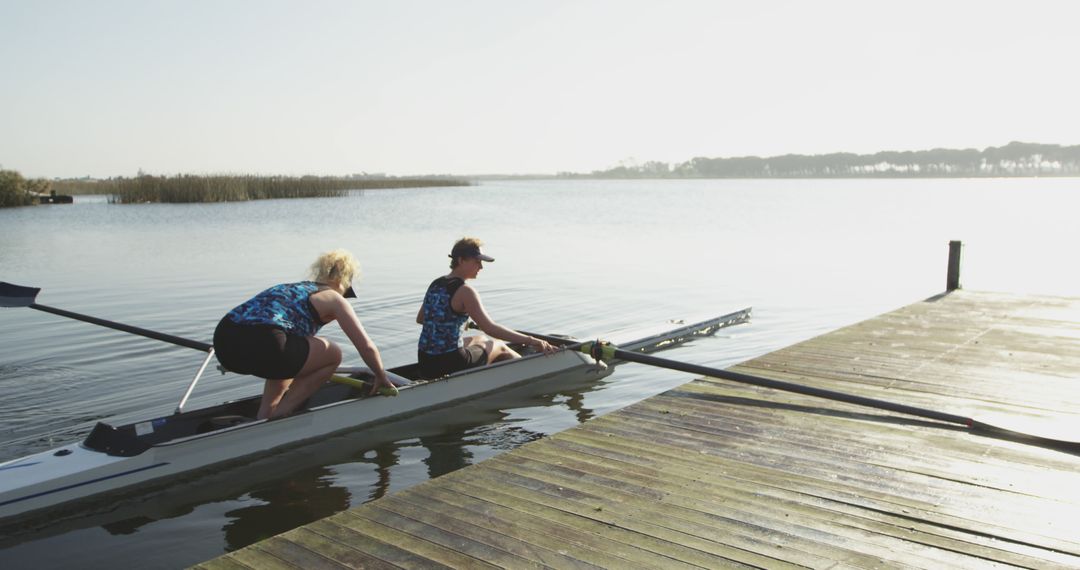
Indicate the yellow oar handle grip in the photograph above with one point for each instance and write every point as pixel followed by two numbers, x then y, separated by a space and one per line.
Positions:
pixel 360 384
pixel 388 391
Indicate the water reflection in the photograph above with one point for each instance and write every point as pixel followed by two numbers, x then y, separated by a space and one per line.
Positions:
pixel 446 452
pixel 576 402
pixel 282 505
pixel 382 458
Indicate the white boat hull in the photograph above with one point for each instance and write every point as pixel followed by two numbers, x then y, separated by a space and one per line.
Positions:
pixel 76 471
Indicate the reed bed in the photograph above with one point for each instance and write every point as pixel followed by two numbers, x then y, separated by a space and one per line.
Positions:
pixel 190 188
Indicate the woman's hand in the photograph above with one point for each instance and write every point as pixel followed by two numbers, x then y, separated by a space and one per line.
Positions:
pixel 383 385
pixel 544 346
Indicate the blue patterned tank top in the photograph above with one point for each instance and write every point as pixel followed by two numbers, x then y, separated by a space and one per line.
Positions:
pixel 442 325
pixel 286 306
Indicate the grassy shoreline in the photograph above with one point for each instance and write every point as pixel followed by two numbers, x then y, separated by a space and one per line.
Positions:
pixel 187 188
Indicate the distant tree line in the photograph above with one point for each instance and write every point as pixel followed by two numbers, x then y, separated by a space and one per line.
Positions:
pixel 1013 159
pixel 18 191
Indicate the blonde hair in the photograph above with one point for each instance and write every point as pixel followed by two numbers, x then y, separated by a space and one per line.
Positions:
pixel 337 265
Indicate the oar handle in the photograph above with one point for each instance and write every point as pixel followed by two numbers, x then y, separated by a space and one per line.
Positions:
pixel 609 351
pixel 179 341
pixel 550 339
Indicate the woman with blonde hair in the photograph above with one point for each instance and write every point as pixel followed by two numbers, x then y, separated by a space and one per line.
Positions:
pixel 272 335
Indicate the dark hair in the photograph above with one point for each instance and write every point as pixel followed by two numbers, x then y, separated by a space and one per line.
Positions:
pixel 463 243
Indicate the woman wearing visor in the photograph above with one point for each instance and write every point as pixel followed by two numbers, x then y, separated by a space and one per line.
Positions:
pixel 448 304
pixel 272 335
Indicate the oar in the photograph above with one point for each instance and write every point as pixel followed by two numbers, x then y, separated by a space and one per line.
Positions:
pixel 19 296
pixel 602 350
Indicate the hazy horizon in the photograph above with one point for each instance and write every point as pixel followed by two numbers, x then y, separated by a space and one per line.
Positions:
pixel 491 88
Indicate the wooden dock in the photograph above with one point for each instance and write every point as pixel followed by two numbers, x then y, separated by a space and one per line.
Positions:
pixel 714 474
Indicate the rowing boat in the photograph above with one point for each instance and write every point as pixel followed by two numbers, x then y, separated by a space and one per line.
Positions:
pixel 117 458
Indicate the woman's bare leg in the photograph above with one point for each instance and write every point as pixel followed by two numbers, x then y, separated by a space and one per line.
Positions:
pixel 497 350
pixel 323 359
pixel 273 390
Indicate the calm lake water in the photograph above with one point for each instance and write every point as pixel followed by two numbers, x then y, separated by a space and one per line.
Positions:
pixel 573 257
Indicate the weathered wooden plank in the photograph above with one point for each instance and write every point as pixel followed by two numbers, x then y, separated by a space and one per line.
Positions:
pixel 366 542
pixel 768 481
pixel 858 428
pixel 257 557
pixel 931 380
pixel 595 526
pixel 533 526
pixel 947 501
pixel 689 521
pixel 857 444
pixel 811 467
pixel 339 545
pixel 222 563
pixel 345 529
pixel 590 514
pixel 297 554
pixel 859 435
pixel 888 340
pixel 728 497
pixel 488 546
pixel 1024 473
pixel 942 396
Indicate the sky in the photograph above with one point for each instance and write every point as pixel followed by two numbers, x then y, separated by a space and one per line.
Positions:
pixel 115 87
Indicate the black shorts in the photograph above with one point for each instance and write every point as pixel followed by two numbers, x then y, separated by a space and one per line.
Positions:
pixel 434 366
pixel 260 350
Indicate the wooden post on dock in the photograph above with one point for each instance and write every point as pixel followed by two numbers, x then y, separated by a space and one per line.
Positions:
pixel 952 280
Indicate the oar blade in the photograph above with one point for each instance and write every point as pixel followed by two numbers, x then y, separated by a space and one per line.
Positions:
pixel 12 295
